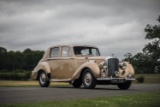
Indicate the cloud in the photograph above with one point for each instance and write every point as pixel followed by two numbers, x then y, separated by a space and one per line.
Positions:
pixel 116 26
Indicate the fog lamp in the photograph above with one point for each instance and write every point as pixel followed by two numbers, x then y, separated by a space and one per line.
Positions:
pixel 104 67
pixel 129 75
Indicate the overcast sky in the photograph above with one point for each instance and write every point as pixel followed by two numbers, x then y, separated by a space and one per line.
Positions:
pixel 115 26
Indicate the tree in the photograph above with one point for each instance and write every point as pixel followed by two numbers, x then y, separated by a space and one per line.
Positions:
pixel 128 57
pixel 11 60
pixel 153 48
pixel 150 57
pixel 28 50
pixel 3 54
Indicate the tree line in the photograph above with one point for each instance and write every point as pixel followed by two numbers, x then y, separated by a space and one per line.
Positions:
pixel 16 60
pixel 148 61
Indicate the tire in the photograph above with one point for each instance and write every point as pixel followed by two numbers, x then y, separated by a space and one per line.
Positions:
pixel 43 79
pixel 88 79
pixel 124 86
pixel 77 83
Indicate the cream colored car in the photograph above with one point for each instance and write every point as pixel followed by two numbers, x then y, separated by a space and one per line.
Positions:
pixel 79 64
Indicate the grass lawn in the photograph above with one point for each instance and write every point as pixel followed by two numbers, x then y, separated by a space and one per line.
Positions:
pixel 136 100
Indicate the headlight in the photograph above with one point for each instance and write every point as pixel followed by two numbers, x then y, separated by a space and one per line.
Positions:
pixel 101 65
pixel 123 66
pixel 103 68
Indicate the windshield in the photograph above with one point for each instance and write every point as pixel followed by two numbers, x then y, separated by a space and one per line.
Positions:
pixel 81 50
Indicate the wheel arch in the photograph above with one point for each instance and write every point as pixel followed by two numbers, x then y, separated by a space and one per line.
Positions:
pixel 38 73
pixel 81 74
pixel 47 74
pixel 43 66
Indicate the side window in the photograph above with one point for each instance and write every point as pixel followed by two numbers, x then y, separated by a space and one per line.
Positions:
pixel 85 52
pixel 54 52
pixel 95 52
pixel 66 52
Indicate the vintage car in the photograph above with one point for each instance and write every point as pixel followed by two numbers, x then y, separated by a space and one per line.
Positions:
pixel 82 64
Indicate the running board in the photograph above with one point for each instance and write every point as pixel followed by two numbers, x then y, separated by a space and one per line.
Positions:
pixel 60 80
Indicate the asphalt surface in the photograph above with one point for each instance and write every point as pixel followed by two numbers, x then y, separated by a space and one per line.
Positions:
pixel 13 95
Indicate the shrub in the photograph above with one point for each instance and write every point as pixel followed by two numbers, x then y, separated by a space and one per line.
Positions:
pixel 3 70
pixel 15 76
pixel 140 79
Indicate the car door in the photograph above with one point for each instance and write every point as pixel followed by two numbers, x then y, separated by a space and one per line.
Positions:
pixel 67 63
pixel 54 62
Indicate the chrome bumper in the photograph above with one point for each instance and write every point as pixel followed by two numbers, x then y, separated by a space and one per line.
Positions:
pixel 113 80
pixel 109 79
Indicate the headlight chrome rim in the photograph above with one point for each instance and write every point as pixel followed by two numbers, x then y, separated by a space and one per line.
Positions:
pixel 123 66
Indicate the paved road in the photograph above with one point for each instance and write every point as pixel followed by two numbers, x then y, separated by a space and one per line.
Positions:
pixel 12 95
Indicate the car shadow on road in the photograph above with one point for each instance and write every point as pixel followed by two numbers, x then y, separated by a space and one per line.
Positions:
pixel 96 88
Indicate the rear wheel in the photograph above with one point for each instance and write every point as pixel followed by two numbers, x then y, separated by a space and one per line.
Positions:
pixel 88 79
pixel 124 86
pixel 43 79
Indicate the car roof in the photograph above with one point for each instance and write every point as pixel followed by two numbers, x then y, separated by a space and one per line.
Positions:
pixel 73 45
pixel 70 45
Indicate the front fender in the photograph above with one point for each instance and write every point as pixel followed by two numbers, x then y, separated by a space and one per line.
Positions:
pixel 128 71
pixel 92 65
pixel 41 66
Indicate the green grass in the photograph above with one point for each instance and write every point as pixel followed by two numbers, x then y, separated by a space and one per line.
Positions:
pixel 135 100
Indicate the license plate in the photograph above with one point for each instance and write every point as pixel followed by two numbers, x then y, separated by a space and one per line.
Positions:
pixel 117 81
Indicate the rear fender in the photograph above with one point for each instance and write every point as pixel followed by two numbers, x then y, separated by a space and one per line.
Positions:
pixel 41 66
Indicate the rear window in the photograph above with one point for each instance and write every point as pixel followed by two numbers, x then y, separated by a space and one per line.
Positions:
pixel 54 52
pixel 66 52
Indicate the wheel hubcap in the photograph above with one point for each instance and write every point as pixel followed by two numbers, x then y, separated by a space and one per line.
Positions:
pixel 87 78
pixel 43 78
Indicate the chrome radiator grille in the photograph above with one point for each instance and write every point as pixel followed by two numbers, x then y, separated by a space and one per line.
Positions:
pixel 112 66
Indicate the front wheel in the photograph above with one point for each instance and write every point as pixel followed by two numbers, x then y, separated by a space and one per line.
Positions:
pixel 124 86
pixel 88 79
pixel 43 79
pixel 77 83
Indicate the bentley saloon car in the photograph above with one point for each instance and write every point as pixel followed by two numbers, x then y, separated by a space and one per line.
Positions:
pixel 82 64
